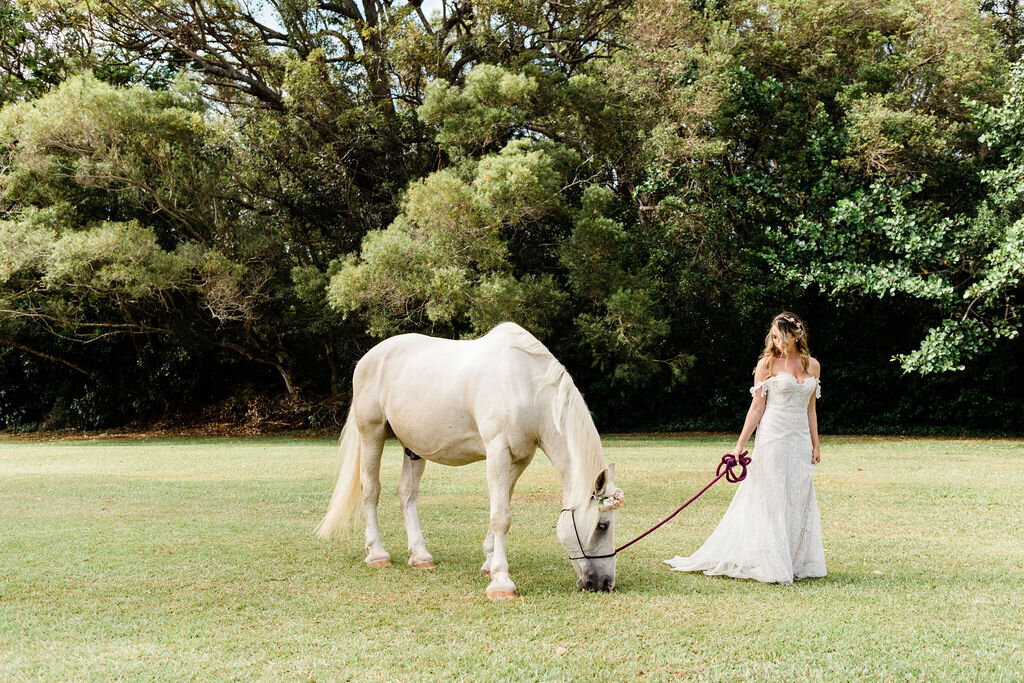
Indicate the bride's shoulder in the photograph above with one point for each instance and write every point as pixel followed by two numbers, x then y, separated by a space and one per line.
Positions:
pixel 761 371
pixel 814 367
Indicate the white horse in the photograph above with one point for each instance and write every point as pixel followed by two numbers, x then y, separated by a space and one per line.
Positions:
pixel 456 402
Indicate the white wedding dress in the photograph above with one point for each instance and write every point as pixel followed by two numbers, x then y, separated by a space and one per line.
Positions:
pixel 771 531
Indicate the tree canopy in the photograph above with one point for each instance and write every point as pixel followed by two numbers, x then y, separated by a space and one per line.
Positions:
pixel 205 202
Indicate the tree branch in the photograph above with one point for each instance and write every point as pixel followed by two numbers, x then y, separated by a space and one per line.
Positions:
pixel 42 354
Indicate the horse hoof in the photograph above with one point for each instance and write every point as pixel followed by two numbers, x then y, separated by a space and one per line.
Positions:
pixel 379 563
pixel 502 595
pixel 429 564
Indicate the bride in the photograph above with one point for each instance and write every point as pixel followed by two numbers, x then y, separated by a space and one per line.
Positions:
pixel 771 531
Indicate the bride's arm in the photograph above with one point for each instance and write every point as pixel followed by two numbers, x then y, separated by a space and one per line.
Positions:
pixel 812 416
pixel 756 409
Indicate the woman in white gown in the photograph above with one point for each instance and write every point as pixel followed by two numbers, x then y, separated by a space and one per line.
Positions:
pixel 772 531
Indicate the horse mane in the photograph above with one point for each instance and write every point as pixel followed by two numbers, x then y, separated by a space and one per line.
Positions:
pixel 572 419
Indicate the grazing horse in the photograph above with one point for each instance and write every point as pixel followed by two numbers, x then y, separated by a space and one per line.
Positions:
pixel 496 398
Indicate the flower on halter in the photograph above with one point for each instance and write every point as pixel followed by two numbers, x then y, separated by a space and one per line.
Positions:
pixel 613 501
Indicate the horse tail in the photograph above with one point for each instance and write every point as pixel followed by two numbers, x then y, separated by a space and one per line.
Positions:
pixel 348 492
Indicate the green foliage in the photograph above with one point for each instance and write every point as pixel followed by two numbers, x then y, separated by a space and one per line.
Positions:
pixel 472 245
pixel 111 150
pixel 891 241
pixel 126 153
pixel 43 43
pixel 445 258
pixel 643 184
pixel 473 118
pixel 594 253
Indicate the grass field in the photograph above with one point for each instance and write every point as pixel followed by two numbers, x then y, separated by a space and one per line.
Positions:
pixel 195 558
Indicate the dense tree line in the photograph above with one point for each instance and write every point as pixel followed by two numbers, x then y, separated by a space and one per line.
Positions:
pixel 206 202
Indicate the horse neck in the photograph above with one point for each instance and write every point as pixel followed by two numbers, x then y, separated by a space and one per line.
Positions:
pixel 570 440
pixel 556 447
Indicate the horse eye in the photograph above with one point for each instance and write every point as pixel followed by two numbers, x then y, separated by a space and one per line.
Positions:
pixel 603 526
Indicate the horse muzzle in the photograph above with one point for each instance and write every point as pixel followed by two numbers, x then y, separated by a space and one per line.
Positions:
pixel 594 583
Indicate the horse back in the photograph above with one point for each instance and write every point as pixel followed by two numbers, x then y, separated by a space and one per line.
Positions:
pixel 446 400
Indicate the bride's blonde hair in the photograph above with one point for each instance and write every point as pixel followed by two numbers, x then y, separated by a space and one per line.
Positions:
pixel 789 326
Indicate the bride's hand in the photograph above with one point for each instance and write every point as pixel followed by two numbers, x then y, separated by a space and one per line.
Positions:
pixel 815 456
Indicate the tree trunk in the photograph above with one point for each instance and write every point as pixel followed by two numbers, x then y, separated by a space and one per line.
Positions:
pixel 284 366
pixel 329 352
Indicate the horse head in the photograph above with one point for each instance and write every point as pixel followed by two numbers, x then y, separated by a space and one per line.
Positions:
pixel 588 533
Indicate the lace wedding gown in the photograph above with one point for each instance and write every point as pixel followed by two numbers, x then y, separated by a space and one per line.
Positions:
pixel 771 531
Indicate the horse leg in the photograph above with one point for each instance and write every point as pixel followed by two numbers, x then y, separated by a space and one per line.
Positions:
pixel 517 469
pixel 408 491
pixel 501 477
pixel 372 445
pixel 488 553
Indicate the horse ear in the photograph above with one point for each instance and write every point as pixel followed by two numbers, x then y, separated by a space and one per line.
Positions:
pixel 611 471
pixel 601 480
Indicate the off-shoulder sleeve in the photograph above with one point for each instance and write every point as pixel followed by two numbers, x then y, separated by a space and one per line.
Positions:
pixel 817 388
pixel 763 386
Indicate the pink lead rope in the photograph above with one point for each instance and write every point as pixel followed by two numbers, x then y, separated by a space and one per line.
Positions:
pixel 725 469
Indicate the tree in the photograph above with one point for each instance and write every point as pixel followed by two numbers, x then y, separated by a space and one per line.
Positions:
pixel 522 226
pixel 891 242
pixel 118 222
pixel 258 191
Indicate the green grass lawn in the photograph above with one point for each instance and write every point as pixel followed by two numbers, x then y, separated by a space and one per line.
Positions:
pixel 195 558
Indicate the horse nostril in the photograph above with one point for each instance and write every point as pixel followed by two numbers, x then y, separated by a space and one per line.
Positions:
pixel 607 585
pixel 589 585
